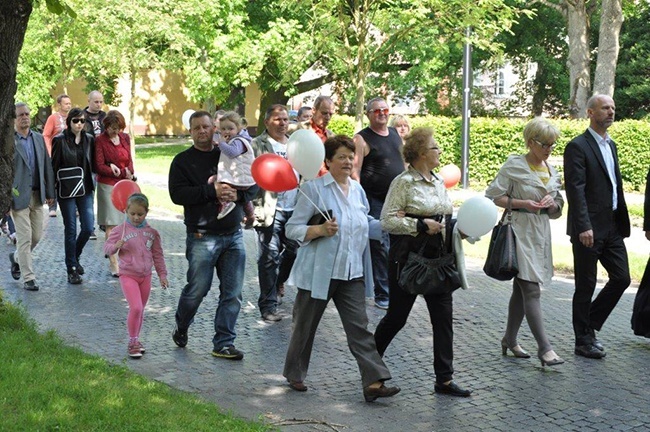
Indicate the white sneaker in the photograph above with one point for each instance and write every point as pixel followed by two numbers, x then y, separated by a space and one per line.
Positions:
pixel 227 208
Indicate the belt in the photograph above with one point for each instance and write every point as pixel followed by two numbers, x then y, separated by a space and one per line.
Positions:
pixel 199 235
pixel 523 210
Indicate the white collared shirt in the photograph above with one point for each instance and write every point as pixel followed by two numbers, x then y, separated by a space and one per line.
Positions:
pixel 608 157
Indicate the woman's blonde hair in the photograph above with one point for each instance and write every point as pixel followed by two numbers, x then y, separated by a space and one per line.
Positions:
pixel 540 130
pixel 397 119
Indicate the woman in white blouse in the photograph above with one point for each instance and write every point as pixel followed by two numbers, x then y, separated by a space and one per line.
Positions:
pixel 422 196
pixel 332 263
pixel 533 187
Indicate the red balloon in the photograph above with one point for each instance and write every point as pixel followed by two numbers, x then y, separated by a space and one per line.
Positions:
pixel 121 192
pixel 450 174
pixel 273 173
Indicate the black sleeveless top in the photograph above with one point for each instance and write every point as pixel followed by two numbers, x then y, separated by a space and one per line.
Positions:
pixel 383 162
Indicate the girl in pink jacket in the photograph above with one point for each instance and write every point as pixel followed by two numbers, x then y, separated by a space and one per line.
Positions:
pixel 140 249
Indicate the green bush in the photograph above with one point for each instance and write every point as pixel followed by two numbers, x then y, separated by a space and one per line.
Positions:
pixel 492 140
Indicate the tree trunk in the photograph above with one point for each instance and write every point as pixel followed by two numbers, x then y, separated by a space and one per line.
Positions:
pixel 14 16
pixel 539 92
pixel 578 59
pixel 611 20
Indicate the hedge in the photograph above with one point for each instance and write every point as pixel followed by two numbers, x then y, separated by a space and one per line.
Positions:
pixel 493 140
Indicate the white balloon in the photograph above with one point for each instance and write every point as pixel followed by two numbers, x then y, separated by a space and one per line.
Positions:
pixel 306 152
pixel 477 216
pixel 185 118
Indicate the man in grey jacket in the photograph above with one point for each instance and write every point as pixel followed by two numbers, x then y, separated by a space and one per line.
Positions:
pixel 33 185
pixel 272 211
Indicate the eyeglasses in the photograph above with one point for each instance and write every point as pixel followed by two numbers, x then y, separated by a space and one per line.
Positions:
pixel 545 146
pixel 378 111
pixel 78 120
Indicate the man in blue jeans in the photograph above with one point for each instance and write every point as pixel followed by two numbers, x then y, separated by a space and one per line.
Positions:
pixel 211 243
pixel 272 211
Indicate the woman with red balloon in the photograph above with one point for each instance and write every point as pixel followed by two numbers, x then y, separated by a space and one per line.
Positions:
pixel 72 161
pixel 332 261
pixel 113 163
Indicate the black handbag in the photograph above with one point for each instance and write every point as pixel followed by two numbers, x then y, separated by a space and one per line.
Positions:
pixel 71 182
pixel 501 262
pixel 425 276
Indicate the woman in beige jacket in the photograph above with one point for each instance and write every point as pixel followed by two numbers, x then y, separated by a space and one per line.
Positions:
pixel 532 186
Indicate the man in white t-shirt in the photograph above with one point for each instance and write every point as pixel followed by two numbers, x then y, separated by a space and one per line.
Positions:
pixel 272 211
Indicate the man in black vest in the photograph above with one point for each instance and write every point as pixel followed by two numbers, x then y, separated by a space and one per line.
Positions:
pixel 597 222
pixel 378 160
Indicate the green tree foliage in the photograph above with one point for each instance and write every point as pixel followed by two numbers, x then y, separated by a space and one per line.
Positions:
pixel 103 42
pixel 632 94
pixel 362 41
pixel 539 39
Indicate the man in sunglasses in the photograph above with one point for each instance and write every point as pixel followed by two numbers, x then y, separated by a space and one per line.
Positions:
pixel 378 160
pixel 94 126
pixel 34 182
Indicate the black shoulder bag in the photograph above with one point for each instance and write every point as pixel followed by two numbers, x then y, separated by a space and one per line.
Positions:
pixel 501 262
pixel 425 276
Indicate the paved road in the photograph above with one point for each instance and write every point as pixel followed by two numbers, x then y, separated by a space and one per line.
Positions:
pixel 509 394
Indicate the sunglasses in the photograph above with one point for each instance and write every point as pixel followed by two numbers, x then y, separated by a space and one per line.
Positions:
pixel 78 120
pixel 378 111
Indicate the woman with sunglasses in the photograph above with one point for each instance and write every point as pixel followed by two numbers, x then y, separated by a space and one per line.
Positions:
pixel 113 163
pixel 72 161
pixel 531 187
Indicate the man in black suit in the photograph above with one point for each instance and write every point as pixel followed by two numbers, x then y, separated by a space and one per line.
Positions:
pixel 597 223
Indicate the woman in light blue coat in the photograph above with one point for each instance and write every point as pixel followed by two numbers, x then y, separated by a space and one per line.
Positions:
pixel 332 263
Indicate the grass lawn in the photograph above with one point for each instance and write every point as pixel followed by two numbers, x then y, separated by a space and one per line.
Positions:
pixel 47 386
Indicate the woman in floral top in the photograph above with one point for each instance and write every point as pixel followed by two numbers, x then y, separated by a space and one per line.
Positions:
pixel 422 196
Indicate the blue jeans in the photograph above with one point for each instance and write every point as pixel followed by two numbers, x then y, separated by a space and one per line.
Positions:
pixel 74 244
pixel 275 259
pixel 379 254
pixel 226 253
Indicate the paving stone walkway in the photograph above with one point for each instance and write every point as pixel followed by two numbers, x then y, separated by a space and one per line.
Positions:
pixel 509 394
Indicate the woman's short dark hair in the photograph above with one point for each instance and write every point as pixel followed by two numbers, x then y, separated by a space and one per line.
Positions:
pixel 114 118
pixel 416 143
pixel 74 113
pixel 334 143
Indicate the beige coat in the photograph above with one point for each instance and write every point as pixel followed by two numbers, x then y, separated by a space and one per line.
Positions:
pixel 533 231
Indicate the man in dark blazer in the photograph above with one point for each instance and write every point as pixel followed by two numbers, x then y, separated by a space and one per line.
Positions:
pixel 598 221
pixel 34 184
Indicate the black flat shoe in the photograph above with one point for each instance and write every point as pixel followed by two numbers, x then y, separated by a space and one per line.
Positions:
pixel 15 268
pixel 589 351
pixel 451 389
pixel 372 393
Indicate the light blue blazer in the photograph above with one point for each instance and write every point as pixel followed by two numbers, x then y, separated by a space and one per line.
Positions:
pixel 312 270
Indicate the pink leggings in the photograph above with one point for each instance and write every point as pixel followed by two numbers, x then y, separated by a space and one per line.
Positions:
pixel 136 290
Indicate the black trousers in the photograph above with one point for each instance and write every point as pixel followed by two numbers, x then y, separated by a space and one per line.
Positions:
pixel 440 313
pixel 590 315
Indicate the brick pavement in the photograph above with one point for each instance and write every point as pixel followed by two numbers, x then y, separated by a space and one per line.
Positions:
pixel 509 394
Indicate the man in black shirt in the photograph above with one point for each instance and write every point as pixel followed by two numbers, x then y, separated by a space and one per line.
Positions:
pixel 211 243
pixel 378 160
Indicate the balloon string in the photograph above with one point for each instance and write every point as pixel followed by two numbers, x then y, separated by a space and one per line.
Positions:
pixel 124 225
pixel 317 208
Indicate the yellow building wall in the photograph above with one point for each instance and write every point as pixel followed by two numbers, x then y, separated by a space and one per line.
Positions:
pixel 160 100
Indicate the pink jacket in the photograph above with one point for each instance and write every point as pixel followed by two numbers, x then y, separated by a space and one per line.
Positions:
pixel 141 251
